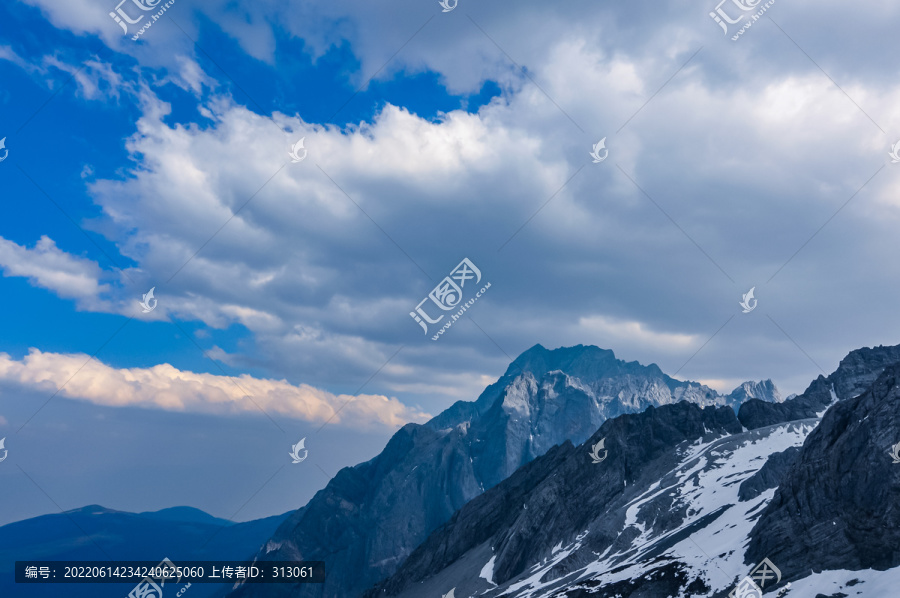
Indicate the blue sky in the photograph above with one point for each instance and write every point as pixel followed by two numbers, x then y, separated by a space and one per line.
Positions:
pixel 431 137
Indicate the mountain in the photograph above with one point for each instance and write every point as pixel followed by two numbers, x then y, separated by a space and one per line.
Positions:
pixel 838 506
pixel 186 515
pixel 685 501
pixel 763 391
pixel 369 518
pixel 857 371
pixel 99 534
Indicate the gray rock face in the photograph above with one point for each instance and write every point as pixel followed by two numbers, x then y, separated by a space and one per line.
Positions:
pixel 838 506
pixel 677 496
pixel 370 517
pixel 563 493
pixel 764 390
pixel 769 475
pixel 856 372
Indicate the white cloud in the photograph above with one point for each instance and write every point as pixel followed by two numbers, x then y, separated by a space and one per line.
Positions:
pixel 94 78
pixel 166 387
pixel 620 333
pixel 748 152
pixel 48 267
pixel 7 53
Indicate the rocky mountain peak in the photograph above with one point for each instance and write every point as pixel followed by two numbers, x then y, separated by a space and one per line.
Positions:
pixel 838 506
pixel 388 506
pixel 764 390
pixel 855 373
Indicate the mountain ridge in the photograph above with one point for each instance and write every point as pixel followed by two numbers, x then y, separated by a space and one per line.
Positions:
pixel 370 517
pixel 586 527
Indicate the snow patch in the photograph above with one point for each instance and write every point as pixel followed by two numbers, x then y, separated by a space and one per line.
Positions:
pixel 487 572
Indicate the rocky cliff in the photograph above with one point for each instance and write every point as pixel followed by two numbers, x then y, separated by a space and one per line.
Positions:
pixel 371 517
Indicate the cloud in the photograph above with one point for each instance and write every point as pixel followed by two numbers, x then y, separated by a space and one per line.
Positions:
pixel 48 267
pixel 10 55
pixel 731 165
pixel 619 333
pixel 166 387
pixel 94 78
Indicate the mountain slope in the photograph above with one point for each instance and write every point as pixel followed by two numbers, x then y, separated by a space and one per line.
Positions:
pixel 521 519
pixel 838 506
pixel 856 372
pixel 372 516
pixel 663 515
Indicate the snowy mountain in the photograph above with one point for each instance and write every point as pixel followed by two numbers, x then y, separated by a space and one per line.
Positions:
pixel 764 391
pixel 371 517
pixel 684 501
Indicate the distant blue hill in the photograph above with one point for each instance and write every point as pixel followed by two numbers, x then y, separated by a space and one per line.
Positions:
pixel 186 515
pixel 95 533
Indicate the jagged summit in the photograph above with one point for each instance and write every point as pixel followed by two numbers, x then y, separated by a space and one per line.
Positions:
pixel 385 507
pixel 581 361
pixel 682 495
pixel 764 390
pixel 856 372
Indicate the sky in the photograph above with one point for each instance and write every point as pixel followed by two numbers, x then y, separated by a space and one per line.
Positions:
pixel 446 164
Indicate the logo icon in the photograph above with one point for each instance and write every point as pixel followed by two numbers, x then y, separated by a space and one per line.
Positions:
pixel 595 154
pixel 145 5
pixel 295 151
pixel 747 588
pixel 751 586
pixel 146 299
pixel 723 20
pixel 148 588
pixel 3 147
pixel 746 4
pixel 895 451
pixel 765 571
pixel 447 295
pixel 595 451
pixel 746 302
pixel 724 17
pixel 3 448
pixel 894 153
pixel 295 451
pixel 447 8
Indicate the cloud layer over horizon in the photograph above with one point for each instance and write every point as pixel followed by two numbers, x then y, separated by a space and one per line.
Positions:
pixel 732 165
